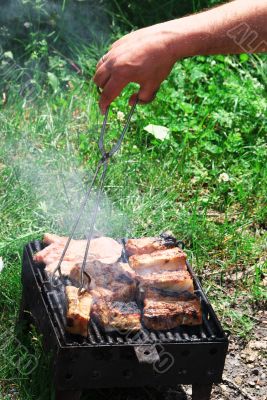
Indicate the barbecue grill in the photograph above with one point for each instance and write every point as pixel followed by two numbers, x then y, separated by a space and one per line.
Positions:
pixel 186 355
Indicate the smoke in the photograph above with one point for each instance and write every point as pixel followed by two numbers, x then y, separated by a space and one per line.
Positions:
pixel 57 184
pixel 52 175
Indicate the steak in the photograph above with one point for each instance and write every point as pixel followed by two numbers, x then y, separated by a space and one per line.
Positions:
pixel 149 244
pixel 69 269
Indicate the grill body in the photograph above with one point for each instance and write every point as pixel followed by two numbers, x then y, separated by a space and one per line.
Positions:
pixel 186 355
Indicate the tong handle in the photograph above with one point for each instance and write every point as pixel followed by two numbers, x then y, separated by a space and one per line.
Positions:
pixel 106 155
pixel 103 162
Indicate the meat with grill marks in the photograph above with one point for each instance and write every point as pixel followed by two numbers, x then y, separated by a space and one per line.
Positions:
pixel 162 260
pixel 117 315
pixel 78 310
pixel 157 269
pixel 170 312
pixel 118 278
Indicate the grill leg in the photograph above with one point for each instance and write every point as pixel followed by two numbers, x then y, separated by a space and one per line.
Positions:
pixel 201 392
pixel 24 319
pixel 67 395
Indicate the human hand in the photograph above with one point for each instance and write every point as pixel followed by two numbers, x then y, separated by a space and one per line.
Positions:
pixel 144 57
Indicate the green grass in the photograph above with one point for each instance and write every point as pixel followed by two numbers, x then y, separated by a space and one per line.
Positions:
pixel 215 108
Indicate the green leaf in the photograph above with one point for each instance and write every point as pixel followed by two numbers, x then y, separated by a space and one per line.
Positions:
pixel 244 57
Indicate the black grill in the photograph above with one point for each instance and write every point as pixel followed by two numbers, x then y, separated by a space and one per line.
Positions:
pixel 186 355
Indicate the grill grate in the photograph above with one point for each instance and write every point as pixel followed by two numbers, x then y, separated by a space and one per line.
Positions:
pixel 210 330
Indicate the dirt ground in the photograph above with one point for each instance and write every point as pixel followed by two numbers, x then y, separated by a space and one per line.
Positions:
pixel 245 372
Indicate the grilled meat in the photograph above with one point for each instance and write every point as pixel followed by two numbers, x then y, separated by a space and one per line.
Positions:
pixel 165 286
pixel 168 260
pixel 147 245
pixel 171 312
pixel 119 291
pixel 103 249
pixel 103 274
pixel 78 311
pixel 166 295
pixel 119 278
pixel 117 315
pixel 167 281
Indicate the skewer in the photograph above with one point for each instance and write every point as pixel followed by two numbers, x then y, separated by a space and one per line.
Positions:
pixel 103 162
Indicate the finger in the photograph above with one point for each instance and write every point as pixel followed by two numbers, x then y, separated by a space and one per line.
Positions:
pixel 102 60
pixel 112 89
pixel 133 99
pixel 101 76
pixel 146 95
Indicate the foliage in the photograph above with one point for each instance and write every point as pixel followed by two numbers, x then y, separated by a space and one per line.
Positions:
pixel 139 14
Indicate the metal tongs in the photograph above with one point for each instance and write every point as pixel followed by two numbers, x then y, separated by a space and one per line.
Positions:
pixel 103 163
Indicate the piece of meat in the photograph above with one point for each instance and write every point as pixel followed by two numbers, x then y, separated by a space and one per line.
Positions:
pixel 169 314
pixel 169 260
pixel 166 281
pixel 104 274
pixel 119 278
pixel 103 249
pixel 148 245
pixel 78 311
pixel 166 295
pixel 117 315
pixel 117 291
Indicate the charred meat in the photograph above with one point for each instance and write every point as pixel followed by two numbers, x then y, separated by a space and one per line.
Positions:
pixel 150 244
pixel 118 278
pixel 78 310
pixel 171 312
pixel 117 315
pixel 156 277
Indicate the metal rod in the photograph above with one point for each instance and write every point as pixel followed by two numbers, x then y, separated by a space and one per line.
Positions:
pixel 102 134
pixel 92 224
pixel 116 147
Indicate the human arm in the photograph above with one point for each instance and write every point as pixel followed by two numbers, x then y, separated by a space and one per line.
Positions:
pixel 147 56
